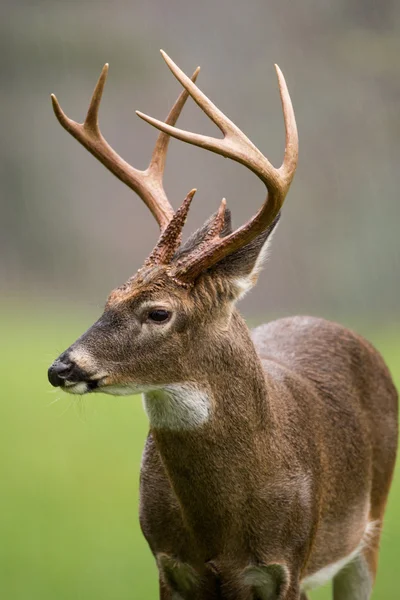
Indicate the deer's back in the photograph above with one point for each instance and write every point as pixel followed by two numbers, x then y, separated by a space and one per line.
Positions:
pixel 346 371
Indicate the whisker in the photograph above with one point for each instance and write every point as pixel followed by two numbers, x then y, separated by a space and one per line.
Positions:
pixel 66 410
pixel 54 401
pixel 80 409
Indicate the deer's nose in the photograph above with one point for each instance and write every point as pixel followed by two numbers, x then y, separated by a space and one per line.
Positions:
pixel 59 372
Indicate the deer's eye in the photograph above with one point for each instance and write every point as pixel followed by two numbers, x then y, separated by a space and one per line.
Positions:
pixel 159 315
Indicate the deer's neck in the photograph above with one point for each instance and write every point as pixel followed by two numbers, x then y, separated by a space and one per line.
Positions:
pixel 228 387
pixel 208 455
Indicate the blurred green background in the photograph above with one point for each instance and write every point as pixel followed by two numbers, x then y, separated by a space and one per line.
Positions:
pixel 70 232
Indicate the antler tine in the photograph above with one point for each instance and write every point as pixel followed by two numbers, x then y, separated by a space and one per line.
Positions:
pixel 212 111
pixel 92 117
pixel 292 139
pixel 237 146
pixel 148 183
pixel 159 155
pixel 170 239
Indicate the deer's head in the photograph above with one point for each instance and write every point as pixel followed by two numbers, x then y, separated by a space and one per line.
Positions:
pixel 180 302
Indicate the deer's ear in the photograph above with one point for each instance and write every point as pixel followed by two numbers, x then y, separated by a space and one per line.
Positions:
pixel 243 266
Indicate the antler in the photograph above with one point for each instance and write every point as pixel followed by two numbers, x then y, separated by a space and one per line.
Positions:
pixel 237 146
pixel 148 183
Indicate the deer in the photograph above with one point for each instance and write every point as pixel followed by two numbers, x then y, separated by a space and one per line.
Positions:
pixel 270 452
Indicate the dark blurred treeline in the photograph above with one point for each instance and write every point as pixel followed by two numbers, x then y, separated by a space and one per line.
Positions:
pixel 69 230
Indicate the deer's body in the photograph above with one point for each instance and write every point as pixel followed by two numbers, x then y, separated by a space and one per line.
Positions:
pixel 270 457
pixel 292 468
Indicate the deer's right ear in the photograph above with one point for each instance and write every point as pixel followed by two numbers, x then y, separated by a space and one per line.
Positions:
pixel 243 266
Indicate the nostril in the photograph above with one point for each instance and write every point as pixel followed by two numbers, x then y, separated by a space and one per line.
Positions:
pixel 62 368
pixel 58 372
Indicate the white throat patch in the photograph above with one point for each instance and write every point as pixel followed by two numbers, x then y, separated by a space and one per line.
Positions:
pixel 177 406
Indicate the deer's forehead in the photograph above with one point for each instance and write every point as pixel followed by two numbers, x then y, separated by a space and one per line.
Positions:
pixel 137 292
pixel 144 283
pixel 125 294
pixel 132 295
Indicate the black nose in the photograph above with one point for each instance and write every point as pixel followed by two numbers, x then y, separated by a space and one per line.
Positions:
pixel 59 372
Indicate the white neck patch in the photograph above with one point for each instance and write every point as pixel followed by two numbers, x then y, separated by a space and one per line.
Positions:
pixel 177 406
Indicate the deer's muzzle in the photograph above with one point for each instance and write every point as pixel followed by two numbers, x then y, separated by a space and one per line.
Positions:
pixel 66 374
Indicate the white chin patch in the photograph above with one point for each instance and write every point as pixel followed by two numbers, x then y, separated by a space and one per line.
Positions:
pixel 76 388
pixel 177 407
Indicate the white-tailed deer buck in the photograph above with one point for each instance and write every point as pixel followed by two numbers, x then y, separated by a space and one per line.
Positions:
pixel 270 454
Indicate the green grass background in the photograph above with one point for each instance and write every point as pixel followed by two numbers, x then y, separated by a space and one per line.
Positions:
pixel 69 478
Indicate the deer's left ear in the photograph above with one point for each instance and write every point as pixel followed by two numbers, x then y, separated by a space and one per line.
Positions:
pixel 243 266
